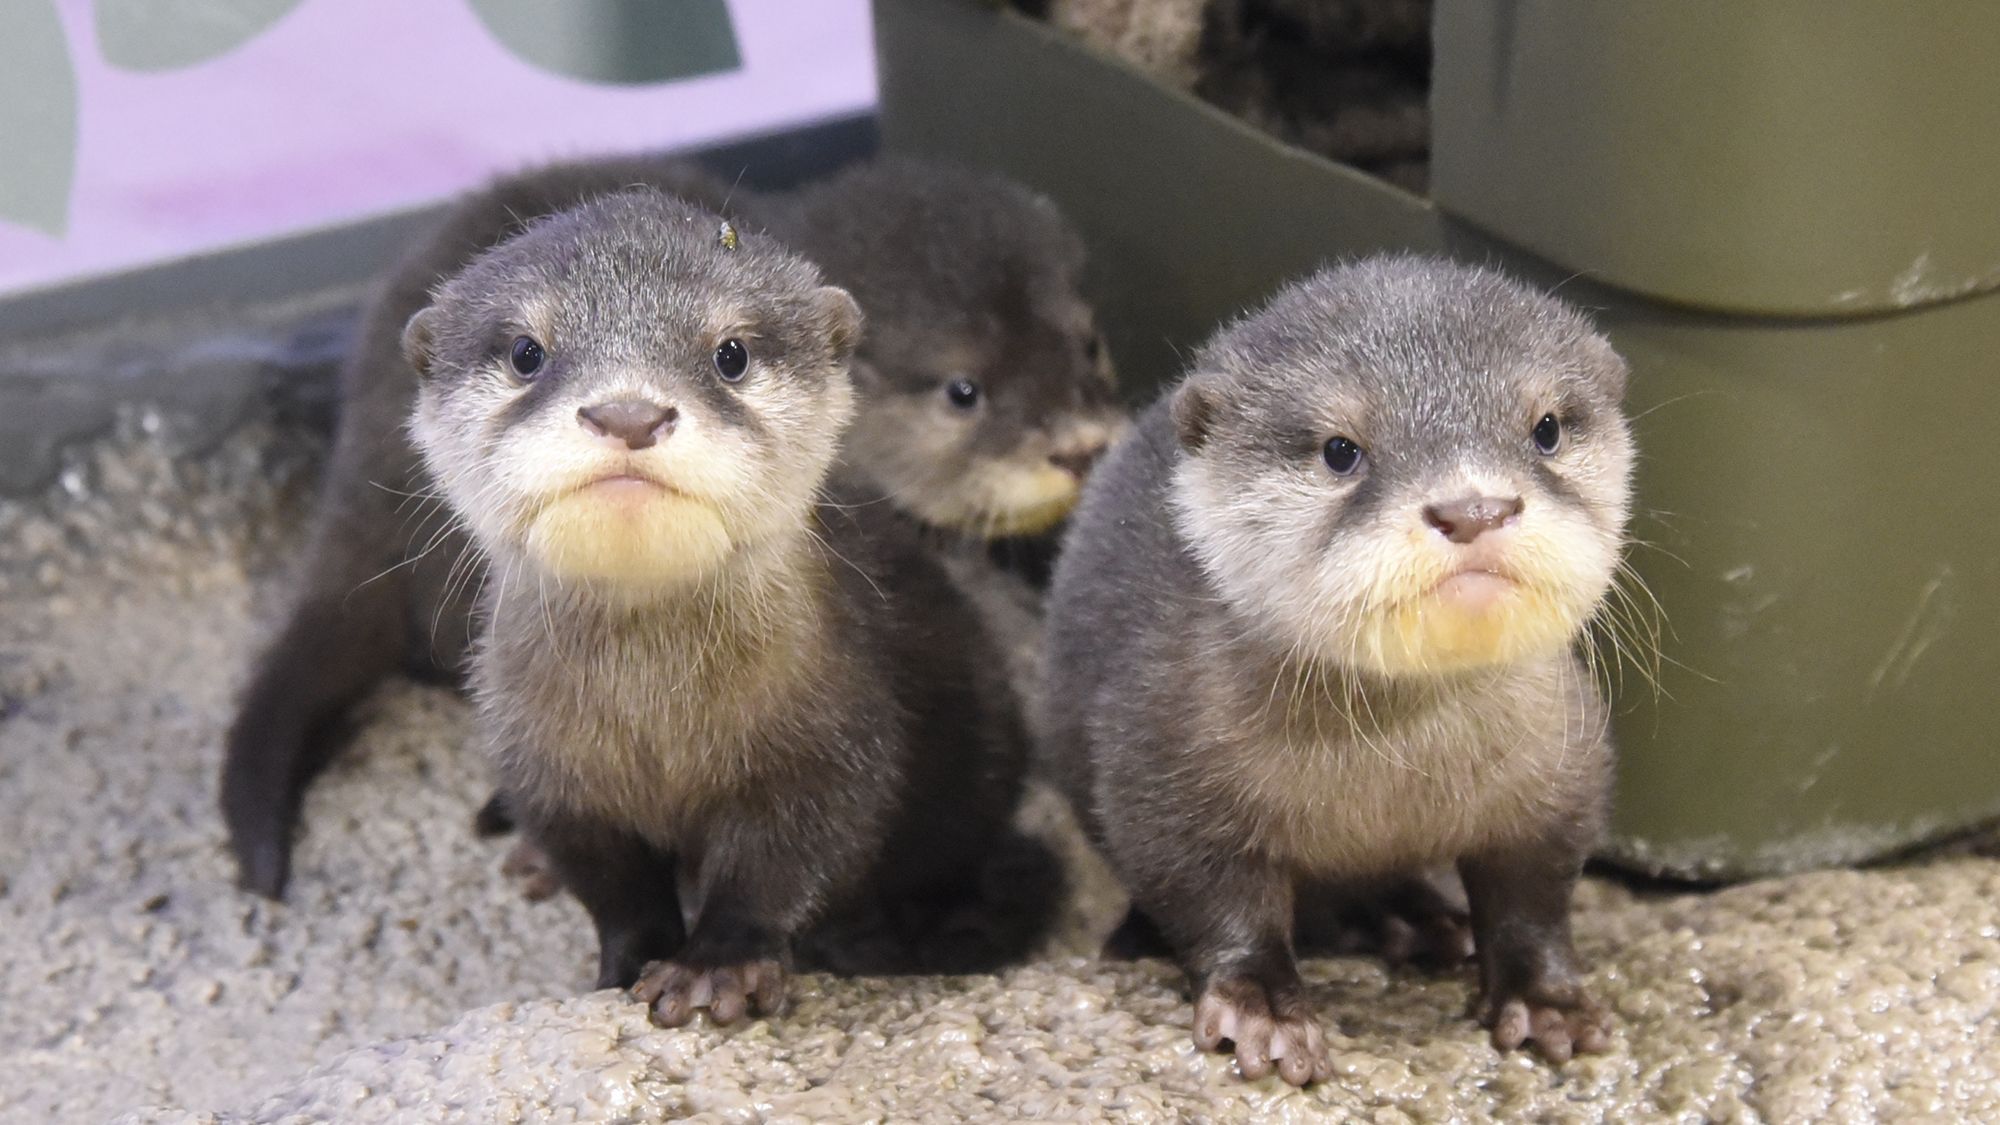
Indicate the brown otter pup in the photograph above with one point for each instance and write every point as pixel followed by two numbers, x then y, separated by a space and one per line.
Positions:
pixel 985 394
pixel 1316 624
pixel 728 700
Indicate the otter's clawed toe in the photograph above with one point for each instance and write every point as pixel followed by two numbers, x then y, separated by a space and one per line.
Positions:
pixel 675 992
pixel 532 871
pixel 1266 1033
pixel 1559 1029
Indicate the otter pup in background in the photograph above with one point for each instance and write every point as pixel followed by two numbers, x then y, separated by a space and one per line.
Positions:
pixel 1316 623
pixel 989 391
pixel 989 394
pixel 727 700
pixel 985 392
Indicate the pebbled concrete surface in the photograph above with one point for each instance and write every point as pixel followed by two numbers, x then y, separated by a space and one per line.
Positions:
pixel 406 981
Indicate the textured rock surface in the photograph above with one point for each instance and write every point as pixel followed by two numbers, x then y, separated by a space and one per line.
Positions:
pixel 405 980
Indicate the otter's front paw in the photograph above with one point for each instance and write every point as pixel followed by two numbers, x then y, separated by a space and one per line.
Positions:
pixel 1265 1027
pixel 1559 1024
pixel 674 992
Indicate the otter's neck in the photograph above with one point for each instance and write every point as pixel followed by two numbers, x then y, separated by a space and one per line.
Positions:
pixel 1295 685
pixel 767 597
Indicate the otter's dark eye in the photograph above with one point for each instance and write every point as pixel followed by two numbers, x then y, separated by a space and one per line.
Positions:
pixel 1092 348
pixel 527 356
pixel 732 359
pixel 1342 456
pixel 963 393
pixel 1548 435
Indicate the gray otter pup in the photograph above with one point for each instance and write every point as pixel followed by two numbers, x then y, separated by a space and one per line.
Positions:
pixel 989 394
pixel 989 391
pixel 979 348
pixel 1316 623
pixel 725 702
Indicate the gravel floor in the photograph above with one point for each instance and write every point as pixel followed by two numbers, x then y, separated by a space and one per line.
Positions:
pixel 405 979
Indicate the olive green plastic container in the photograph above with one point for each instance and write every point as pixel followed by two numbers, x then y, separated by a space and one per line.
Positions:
pixel 1780 210
pixel 1776 157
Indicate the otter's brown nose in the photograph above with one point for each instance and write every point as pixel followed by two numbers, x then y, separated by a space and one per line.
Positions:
pixel 1077 462
pixel 633 421
pixel 1462 521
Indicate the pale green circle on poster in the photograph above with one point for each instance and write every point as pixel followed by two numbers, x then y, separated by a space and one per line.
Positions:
pixel 150 35
pixel 625 42
pixel 37 117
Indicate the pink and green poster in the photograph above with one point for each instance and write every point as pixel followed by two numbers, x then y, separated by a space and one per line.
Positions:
pixel 142 130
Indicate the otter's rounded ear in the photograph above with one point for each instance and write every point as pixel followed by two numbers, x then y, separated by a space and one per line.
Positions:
pixel 418 341
pixel 1612 370
pixel 842 319
pixel 1193 410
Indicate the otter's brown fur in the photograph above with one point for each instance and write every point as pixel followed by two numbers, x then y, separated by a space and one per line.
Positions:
pixel 949 266
pixel 728 748
pixel 1239 704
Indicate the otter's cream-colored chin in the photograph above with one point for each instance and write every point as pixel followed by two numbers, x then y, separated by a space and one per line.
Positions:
pixel 1467 621
pixel 1005 500
pixel 629 532
pixel 1028 520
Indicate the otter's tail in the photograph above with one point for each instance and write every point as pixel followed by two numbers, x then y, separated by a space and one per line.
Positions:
pixel 293 722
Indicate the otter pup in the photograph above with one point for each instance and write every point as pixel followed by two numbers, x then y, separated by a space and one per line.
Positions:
pixel 989 390
pixel 980 349
pixel 1316 624
pixel 725 698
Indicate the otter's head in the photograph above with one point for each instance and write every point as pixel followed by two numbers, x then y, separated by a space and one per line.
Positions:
pixel 986 389
pixel 631 392
pixel 1408 467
